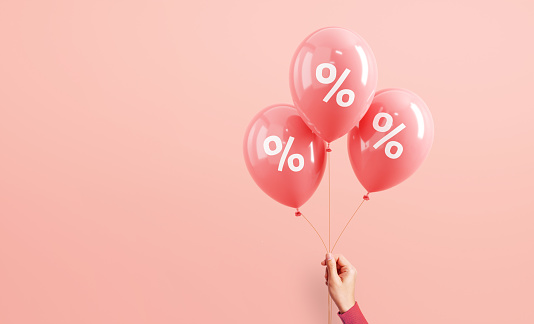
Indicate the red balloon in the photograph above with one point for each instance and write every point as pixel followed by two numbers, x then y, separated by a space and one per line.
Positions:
pixel 392 140
pixel 333 77
pixel 283 156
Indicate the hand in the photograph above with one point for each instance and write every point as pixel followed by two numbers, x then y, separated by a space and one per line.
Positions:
pixel 340 278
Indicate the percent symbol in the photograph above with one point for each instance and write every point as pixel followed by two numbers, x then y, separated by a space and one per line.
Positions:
pixel 328 80
pixel 278 148
pixel 385 128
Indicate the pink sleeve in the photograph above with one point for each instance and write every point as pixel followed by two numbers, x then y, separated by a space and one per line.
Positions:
pixel 353 316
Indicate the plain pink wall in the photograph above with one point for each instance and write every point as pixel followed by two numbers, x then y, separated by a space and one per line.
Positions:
pixel 124 197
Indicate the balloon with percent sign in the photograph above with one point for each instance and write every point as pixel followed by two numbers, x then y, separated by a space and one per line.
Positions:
pixel 392 140
pixel 283 156
pixel 333 77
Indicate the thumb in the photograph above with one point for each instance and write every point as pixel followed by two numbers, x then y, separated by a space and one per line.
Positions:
pixel 332 268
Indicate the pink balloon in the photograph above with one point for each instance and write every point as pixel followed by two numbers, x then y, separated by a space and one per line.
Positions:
pixel 333 78
pixel 392 140
pixel 283 156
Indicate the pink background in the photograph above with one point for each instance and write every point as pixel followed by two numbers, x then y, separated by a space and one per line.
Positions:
pixel 124 197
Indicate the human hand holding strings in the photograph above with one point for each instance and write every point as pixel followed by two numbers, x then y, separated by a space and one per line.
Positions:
pixel 340 277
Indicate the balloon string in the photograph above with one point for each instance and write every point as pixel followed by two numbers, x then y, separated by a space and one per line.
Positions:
pixel 331 311
pixel 315 231
pixel 329 308
pixel 328 158
pixel 347 224
pixel 328 150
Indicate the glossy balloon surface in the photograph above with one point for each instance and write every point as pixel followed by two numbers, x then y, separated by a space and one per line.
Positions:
pixel 283 156
pixel 392 140
pixel 333 77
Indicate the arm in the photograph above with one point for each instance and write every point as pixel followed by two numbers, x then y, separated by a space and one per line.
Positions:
pixel 353 316
pixel 340 278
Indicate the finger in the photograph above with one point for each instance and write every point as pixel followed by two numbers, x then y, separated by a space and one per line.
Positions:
pixel 342 261
pixel 332 269
pixel 344 266
pixel 323 262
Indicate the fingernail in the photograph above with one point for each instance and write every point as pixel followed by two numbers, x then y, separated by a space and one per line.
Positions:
pixel 329 256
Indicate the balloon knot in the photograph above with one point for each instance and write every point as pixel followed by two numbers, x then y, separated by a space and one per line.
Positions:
pixel 366 197
pixel 328 149
pixel 298 213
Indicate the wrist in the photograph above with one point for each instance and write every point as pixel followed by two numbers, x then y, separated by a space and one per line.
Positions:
pixel 345 306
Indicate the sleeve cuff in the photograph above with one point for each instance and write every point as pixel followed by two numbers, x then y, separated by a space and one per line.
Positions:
pixel 353 316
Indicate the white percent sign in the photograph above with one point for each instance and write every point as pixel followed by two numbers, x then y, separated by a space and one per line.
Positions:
pixel 278 148
pixel 385 128
pixel 328 80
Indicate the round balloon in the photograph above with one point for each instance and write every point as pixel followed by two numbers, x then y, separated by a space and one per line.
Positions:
pixel 284 157
pixel 333 77
pixel 392 140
